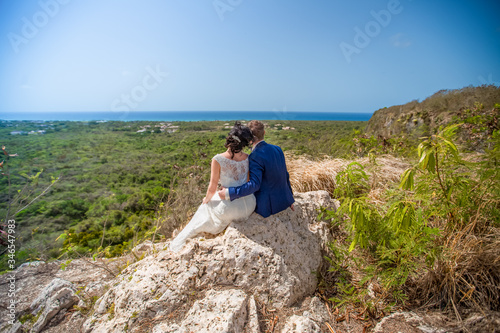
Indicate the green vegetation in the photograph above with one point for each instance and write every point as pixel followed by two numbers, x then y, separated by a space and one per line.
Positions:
pixel 435 238
pixel 416 119
pixel 111 187
pixel 429 240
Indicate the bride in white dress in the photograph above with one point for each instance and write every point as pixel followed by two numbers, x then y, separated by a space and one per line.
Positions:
pixel 230 169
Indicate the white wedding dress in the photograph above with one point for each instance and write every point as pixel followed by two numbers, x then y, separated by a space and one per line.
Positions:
pixel 217 214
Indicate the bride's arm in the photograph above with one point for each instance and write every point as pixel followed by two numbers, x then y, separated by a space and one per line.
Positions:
pixel 214 180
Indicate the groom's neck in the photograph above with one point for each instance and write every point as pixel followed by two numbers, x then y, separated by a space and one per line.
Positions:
pixel 256 143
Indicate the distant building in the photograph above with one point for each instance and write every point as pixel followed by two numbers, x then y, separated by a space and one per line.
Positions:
pixel 37 132
pixel 17 132
pixel 163 128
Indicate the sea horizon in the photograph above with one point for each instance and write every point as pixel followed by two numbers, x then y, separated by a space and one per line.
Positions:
pixel 183 116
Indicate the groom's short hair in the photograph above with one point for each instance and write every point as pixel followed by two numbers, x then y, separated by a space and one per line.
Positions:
pixel 257 128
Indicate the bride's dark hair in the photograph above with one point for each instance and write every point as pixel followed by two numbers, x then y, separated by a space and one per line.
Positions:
pixel 238 138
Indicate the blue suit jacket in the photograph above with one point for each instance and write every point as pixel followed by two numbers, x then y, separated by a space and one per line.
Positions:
pixel 269 181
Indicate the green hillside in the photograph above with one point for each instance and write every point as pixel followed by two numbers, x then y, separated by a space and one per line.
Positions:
pixel 112 179
pixel 416 118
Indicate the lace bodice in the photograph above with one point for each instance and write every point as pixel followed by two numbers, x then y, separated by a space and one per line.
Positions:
pixel 232 173
pixel 214 216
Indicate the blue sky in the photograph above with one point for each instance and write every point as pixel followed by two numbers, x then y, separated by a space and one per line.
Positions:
pixel 231 55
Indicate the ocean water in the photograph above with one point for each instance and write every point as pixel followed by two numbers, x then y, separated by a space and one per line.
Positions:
pixel 184 116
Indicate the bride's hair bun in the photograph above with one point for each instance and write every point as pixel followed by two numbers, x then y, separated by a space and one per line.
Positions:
pixel 238 138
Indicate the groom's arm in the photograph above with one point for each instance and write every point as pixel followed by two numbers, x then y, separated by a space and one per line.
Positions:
pixel 288 181
pixel 253 184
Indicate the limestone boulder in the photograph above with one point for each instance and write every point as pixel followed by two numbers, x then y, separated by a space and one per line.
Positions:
pixel 300 324
pixel 274 258
pixel 58 295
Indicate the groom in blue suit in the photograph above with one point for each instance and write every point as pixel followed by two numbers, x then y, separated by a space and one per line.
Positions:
pixel 269 180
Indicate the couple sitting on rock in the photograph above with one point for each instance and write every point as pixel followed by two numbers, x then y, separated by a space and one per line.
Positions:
pixel 257 182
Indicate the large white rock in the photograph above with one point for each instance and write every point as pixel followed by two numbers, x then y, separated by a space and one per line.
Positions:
pixel 31 280
pixel 317 311
pixel 220 311
pixel 274 258
pixel 300 324
pixel 252 325
pixel 58 295
pixel 405 322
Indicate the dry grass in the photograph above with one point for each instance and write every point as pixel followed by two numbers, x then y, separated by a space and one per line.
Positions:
pixel 307 175
pixel 466 274
pixel 180 205
pixel 385 172
pixel 469 275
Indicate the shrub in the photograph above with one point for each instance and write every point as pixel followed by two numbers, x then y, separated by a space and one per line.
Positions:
pixel 437 238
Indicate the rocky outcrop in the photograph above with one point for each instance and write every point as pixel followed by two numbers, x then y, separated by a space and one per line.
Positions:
pixel 58 295
pixel 406 322
pixel 45 292
pixel 222 311
pixel 299 324
pixel 258 274
pixel 273 259
pixel 421 118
